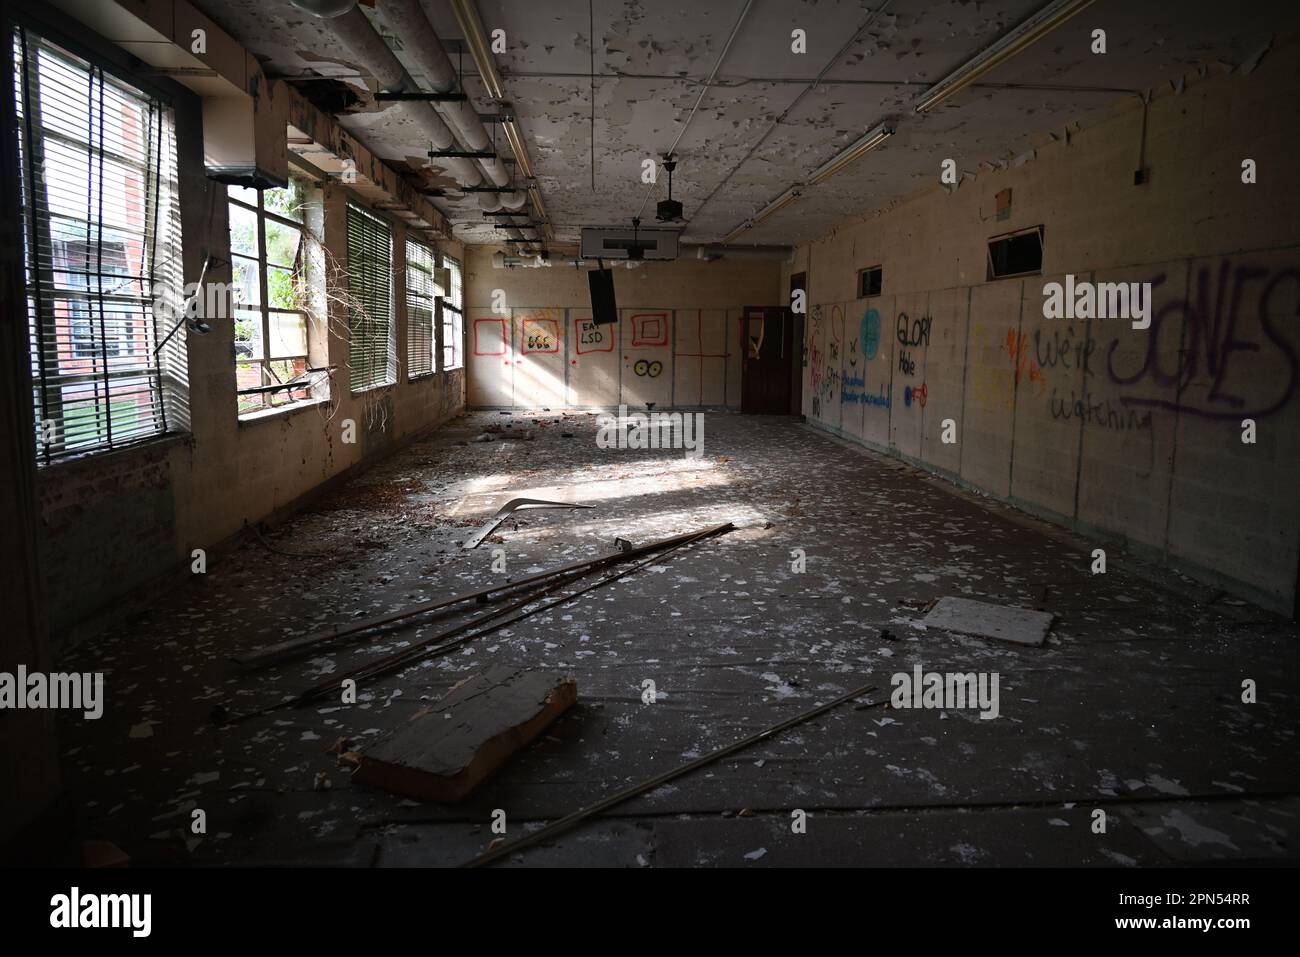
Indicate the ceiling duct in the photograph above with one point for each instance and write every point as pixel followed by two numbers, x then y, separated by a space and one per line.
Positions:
pixel 475 37
pixel 408 21
pixel 245 139
pixel 715 251
pixel 373 53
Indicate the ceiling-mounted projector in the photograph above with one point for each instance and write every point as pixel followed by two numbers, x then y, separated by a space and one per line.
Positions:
pixel 617 242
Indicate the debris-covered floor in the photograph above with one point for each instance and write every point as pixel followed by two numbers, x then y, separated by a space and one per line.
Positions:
pixel 1132 706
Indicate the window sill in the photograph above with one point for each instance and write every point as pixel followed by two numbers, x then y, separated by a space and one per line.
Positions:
pixel 153 445
pixel 422 376
pixel 262 415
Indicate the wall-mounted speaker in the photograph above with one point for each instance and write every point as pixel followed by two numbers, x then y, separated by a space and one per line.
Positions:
pixel 604 310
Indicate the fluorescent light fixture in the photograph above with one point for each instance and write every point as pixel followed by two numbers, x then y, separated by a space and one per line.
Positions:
pixel 735 233
pixel 1004 48
pixel 869 141
pixel 782 201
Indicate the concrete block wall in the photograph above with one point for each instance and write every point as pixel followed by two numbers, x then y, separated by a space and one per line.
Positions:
pixel 677 342
pixel 1128 435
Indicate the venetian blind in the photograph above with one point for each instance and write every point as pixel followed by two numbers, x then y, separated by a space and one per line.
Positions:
pixel 371 358
pixel 101 248
pixel 419 309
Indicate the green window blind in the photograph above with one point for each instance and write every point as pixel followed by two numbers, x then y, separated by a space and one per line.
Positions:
pixel 419 309
pixel 371 357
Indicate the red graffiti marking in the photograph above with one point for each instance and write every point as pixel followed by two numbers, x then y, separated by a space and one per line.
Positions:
pixel 593 338
pixel 649 329
pixel 1017 350
pixel 487 335
pixel 540 335
pixel 701 354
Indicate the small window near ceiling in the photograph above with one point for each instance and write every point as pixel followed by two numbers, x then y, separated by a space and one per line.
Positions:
pixel 869 281
pixel 1016 254
pixel 420 264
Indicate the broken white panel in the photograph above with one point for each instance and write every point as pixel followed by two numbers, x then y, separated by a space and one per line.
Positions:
pixel 1024 626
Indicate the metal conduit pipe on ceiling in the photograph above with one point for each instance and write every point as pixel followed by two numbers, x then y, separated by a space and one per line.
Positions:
pixel 712 251
pixel 374 55
pixel 472 27
pixel 408 21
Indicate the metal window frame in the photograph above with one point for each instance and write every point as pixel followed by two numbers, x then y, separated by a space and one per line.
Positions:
pixel 457 311
pixel 435 317
pixel 27 39
pixel 268 379
pixel 992 274
pixel 879 267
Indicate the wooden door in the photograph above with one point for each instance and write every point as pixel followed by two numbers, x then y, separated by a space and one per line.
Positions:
pixel 767 363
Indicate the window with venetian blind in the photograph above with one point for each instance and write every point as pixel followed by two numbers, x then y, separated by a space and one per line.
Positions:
pixel 420 263
pixel 102 254
pixel 453 318
pixel 372 357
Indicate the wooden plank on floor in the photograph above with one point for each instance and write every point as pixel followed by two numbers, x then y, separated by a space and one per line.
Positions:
pixel 449 748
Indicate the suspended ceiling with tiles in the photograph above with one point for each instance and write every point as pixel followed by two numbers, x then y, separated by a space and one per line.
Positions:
pixel 652 58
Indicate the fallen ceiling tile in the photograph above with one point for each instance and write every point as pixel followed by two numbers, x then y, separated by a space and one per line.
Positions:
pixel 965 616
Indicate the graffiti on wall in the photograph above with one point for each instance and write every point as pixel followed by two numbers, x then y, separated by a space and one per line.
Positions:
pixel 830 384
pixel 1205 352
pixel 869 333
pixel 540 335
pixel 852 382
pixel 594 338
pixel 815 360
pixel 862 349
pixel 1222 351
pixel 1027 368
pixel 490 337
pixel 649 329
pixel 912 334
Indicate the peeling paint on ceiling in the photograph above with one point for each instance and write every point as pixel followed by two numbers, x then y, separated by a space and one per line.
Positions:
pixel 652 55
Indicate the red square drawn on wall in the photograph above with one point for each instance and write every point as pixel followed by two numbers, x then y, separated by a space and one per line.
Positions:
pixel 487 333
pixel 593 338
pixel 540 335
pixel 650 329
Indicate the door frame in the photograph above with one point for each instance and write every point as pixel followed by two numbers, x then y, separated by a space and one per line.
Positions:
pixel 787 348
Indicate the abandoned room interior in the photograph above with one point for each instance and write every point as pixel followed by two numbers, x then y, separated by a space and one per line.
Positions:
pixel 631 433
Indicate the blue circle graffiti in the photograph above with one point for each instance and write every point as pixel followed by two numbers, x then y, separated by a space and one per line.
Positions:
pixel 870 333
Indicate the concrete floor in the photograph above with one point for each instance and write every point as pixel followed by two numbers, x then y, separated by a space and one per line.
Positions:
pixel 1133 704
